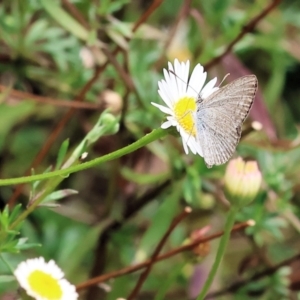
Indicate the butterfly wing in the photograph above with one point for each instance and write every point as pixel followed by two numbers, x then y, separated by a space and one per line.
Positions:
pixel 220 116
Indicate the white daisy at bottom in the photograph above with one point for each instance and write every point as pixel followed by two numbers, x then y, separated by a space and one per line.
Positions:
pixel 44 280
pixel 180 93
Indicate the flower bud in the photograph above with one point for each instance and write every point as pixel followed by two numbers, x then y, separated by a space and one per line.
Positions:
pixel 242 181
pixel 201 250
pixel 109 123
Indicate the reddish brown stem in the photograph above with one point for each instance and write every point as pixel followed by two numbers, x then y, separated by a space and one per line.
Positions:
pixel 131 269
pixel 157 250
pixel 75 13
pixel 46 100
pixel 246 29
pixel 154 5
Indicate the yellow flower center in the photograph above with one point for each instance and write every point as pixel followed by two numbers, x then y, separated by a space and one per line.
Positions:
pixel 45 285
pixel 183 110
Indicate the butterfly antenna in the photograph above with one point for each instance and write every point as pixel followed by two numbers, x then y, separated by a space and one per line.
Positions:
pixel 183 80
pixel 198 95
pixel 224 79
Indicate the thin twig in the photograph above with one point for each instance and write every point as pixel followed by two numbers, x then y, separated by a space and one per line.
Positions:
pixel 76 13
pixel 112 59
pixel 237 285
pixel 246 29
pixel 154 5
pixel 47 100
pixel 157 250
pixel 131 269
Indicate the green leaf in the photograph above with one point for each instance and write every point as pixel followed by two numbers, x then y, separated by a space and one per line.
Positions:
pixel 167 284
pixel 4 217
pixel 62 154
pixel 13 232
pixel 15 213
pixel 159 224
pixel 28 246
pixel 65 20
pixel 35 33
pixel 7 278
pixel 85 246
pixel 57 195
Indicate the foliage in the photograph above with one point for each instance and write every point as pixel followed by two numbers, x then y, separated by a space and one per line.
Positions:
pixel 78 76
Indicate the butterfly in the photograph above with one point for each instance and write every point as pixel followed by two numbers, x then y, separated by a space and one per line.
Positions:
pixel 220 116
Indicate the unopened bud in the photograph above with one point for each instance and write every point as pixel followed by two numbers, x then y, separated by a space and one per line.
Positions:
pixel 200 250
pixel 242 181
pixel 109 123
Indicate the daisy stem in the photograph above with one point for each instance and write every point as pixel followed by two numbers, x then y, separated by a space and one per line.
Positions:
pixel 220 252
pixel 148 138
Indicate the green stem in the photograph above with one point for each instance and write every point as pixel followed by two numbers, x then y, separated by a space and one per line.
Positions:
pixel 152 136
pixel 221 250
pixel 53 183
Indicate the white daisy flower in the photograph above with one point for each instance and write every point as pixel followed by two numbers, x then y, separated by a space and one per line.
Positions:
pixel 180 93
pixel 44 281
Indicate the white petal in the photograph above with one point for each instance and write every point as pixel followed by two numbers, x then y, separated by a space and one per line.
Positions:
pixel 197 146
pixel 164 96
pixel 170 86
pixel 185 138
pixel 170 66
pixel 177 68
pixel 196 82
pixel 191 145
pixel 167 91
pixel 172 120
pixel 185 75
pixel 166 125
pixel 212 91
pixel 186 150
pixel 180 70
pixel 208 89
pixel 164 109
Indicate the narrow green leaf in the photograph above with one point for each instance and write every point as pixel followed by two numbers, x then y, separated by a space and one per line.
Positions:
pixel 4 217
pixel 62 154
pixel 15 212
pixel 28 246
pixel 57 195
pixel 64 19
pixel 166 285
pixel 13 232
pixel 84 247
pixel 7 278
pixel 160 223
pixel 35 33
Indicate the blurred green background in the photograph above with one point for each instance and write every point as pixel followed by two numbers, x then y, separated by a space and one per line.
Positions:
pixel 50 50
